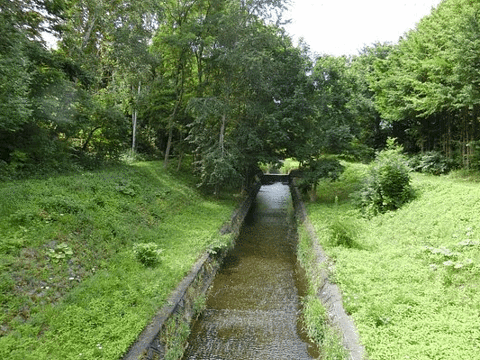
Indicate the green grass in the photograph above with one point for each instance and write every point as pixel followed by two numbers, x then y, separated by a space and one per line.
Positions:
pixel 289 165
pixel 412 279
pixel 315 317
pixel 71 286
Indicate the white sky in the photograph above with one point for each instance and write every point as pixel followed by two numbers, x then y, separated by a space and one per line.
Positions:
pixel 343 27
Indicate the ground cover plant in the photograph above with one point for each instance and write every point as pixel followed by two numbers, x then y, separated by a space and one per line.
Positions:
pixel 87 259
pixel 409 277
pixel 315 318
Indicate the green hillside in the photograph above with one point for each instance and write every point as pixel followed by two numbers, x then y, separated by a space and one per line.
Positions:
pixel 410 278
pixel 71 285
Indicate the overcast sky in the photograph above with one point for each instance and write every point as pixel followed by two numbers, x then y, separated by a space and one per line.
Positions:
pixel 343 27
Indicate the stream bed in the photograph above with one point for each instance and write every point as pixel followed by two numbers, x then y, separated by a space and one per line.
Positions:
pixel 253 307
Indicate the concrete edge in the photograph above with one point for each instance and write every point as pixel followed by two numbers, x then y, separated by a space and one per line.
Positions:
pixel 148 346
pixel 330 294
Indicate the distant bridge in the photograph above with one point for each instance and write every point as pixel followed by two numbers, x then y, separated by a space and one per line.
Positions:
pixel 268 179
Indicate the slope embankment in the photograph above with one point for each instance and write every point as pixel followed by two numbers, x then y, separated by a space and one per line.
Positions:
pixel 409 278
pixel 71 284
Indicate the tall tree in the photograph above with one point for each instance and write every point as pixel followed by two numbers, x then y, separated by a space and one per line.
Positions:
pixel 14 71
pixel 246 113
pixel 425 86
pixel 109 41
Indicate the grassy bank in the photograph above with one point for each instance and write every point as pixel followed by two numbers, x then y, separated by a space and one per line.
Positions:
pixel 410 278
pixel 315 317
pixel 71 286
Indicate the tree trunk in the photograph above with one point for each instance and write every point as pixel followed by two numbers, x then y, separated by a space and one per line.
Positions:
pixel 169 144
pixel 89 137
pixel 313 193
pixel 134 129
pixel 222 135
pixel 134 120
pixel 88 32
pixel 173 116
pixel 180 158
pixel 170 133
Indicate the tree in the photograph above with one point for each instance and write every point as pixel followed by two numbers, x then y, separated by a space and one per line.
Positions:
pixel 14 73
pixel 30 75
pixel 425 87
pixel 109 41
pixel 372 130
pixel 334 88
pixel 178 34
pixel 245 113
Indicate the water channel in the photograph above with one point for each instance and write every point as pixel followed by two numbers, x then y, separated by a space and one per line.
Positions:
pixel 253 306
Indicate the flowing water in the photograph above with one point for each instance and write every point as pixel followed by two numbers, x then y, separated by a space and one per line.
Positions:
pixel 253 307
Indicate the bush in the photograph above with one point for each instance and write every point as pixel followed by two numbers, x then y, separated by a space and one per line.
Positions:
pixel 431 162
pixel 148 254
pixel 387 186
pixel 343 232
pixel 315 170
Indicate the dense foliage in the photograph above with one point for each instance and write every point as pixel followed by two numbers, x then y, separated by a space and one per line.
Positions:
pixel 387 184
pixel 427 87
pixel 217 79
pixel 221 79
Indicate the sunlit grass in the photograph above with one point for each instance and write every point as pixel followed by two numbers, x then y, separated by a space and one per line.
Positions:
pixel 412 283
pixel 71 286
pixel 289 165
pixel 315 318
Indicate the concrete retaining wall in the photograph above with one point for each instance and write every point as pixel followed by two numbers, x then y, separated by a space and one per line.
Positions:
pixel 328 293
pixel 180 306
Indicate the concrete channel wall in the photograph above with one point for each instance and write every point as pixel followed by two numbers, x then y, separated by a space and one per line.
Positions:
pixel 181 305
pixel 328 293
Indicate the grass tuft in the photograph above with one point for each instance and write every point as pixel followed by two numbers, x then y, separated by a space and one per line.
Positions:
pixel 344 232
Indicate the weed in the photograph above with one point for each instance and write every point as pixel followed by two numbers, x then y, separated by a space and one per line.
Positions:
pixel 218 244
pixel 343 232
pixel 314 313
pixel 199 304
pixel 126 188
pixel 174 337
pixel 147 253
pixel 315 318
pixel 60 252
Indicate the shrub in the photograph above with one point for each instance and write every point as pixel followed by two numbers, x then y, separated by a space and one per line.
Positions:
pixel 315 170
pixel 148 254
pixel 431 162
pixel 387 185
pixel 343 232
